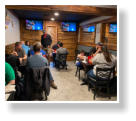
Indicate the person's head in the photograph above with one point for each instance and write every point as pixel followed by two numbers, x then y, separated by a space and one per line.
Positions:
pixel 37 47
pixel 82 52
pixel 18 46
pixel 92 51
pixel 27 43
pixel 61 44
pixel 44 31
pixel 99 45
pixel 106 54
pixel 22 42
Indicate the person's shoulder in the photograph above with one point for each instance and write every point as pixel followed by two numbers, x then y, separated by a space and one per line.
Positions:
pixel 6 64
pixel 22 50
pixel 114 57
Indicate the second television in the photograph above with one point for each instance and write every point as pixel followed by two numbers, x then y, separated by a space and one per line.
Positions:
pixel 68 26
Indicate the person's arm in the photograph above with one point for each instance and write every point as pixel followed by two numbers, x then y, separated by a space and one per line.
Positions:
pixel 93 61
pixel 14 53
pixel 12 82
pixel 98 50
pixel 9 74
pixel 25 56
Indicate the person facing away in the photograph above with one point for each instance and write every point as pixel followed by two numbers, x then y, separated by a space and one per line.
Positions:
pixel 103 59
pixel 54 50
pixel 46 40
pixel 25 47
pixel 42 52
pixel 56 46
pixel 37 60
pixel 20 53
pixel 61 50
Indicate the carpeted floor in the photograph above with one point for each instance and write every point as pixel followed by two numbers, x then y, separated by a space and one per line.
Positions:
pixel 69 88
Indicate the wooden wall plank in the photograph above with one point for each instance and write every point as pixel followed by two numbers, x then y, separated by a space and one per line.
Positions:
pixel 69 39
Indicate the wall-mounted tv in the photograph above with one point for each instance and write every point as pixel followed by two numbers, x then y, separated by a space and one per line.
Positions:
pixel 34 25
pixel 89 29
pixel 68 26
pixel 113 28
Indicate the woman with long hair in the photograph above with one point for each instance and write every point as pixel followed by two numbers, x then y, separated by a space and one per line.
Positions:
pixel 103 59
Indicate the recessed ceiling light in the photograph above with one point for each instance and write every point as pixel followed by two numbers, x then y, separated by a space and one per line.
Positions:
pixel 56 14
pixel 52 19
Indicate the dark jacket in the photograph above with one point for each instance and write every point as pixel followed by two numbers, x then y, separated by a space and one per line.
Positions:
pixel 46 40
pixel 36 82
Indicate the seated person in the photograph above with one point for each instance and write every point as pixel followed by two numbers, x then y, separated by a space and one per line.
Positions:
pixel 9 74
pixel 19 51
pixel 102 59
pixel 37 60
pixel 54 49
pixel 25 47
pixel 59 51
pixel 80 57
pixel 92 54
pixel 27 43
pixel 42 52
pixel 55 46
pixel 98 47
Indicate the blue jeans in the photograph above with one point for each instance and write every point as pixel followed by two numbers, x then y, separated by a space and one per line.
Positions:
pixel 50 76
pixel 78 64
pixel 91 74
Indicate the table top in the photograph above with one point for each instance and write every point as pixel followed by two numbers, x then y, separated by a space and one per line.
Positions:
pixel 9 89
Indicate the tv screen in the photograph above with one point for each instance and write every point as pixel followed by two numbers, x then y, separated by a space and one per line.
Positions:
pixel 34 25
pixel 113 28
pixel 89 29
pixel 68 26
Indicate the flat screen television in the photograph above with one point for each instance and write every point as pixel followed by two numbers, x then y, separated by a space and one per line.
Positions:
pixel 113 28
pixel 68 26
pixel 89 29
pixel 34 25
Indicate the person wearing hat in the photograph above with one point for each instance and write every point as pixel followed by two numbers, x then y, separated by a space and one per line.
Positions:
pixel 46 39
pixel 98 48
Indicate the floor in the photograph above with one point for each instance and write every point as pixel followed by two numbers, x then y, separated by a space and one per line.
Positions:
pixel 69 88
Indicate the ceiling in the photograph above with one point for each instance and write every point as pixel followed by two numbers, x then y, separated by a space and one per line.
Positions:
pixel 73 13
pixel 46 15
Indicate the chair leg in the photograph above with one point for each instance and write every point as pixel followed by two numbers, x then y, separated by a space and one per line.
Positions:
pixel 76 71
pixel 79 75
pixel 108 91
pixel 89 87
pixel 95 91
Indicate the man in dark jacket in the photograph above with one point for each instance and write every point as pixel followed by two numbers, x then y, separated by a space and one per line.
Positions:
pixel 46 40
pixel 38 60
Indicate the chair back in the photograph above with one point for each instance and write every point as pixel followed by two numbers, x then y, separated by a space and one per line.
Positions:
pixel 62 57
pixel 104 74
pixel 37 81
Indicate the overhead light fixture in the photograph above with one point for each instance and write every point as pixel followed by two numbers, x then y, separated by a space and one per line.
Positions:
pixel 52 19
pixel 56 14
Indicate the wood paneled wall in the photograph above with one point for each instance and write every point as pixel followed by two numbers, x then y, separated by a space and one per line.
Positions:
pixel 69 39
pixel 9 48
pixel 30 35
pixel 86 38
pixel 112 38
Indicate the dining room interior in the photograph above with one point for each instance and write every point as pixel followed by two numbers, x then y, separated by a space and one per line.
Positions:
pixel 79 44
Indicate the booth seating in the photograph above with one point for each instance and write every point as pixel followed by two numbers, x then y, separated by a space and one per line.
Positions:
pixel 102 80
